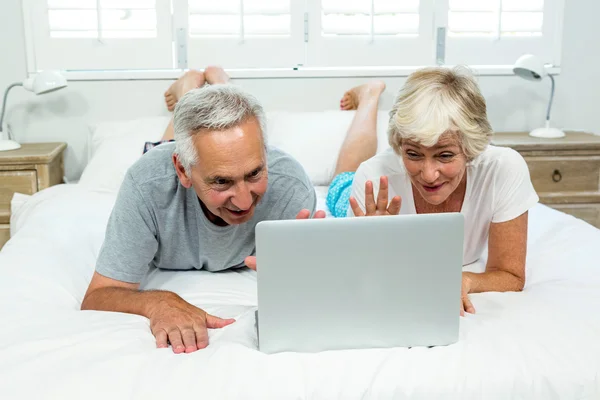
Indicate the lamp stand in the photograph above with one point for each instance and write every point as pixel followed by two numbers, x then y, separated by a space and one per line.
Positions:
pixel 7 144
pixel 547 132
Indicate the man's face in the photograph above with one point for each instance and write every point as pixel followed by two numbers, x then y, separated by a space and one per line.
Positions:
pixel 230 176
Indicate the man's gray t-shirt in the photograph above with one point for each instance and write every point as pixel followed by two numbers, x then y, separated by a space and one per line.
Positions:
pixel 156 222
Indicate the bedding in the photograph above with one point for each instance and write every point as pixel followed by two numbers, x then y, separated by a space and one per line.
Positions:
pixel 541 343
pixel 312 138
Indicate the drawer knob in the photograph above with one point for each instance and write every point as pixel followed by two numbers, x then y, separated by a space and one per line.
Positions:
pixel 556 176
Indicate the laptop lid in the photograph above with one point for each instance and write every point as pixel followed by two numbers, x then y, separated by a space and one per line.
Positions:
pixel 387 281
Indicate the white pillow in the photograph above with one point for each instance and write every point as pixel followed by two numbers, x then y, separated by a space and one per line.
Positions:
pixel 312 138
pixel 315 138
pixel 115 146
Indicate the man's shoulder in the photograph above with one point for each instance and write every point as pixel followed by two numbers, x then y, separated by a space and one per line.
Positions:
pixel 154 167
pixel 283 165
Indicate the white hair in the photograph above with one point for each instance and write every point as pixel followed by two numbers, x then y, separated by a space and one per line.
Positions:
pixel 438 100
pixel 212 108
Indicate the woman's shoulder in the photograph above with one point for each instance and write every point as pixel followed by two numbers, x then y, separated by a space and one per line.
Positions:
pixel 384 163
pixel 499 160
pixel 504 171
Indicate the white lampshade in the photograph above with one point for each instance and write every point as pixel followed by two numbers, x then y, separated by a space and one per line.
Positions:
pixel 45 82
pixel 529 67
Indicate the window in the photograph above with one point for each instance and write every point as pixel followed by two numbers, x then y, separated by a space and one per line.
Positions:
pixel 369 33
pixel 253 34
pixel 497 32
pixel 98 34
pixel 243 33
pixel 100 20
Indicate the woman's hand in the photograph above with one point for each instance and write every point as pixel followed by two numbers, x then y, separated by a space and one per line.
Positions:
pixel 465 303
pixel 381 207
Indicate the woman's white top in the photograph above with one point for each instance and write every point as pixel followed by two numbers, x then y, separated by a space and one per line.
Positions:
pixel 498 189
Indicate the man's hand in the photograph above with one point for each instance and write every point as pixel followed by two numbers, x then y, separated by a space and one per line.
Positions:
pixel 379 207
pixel 465 303
pixel 182 324
pixel 250 261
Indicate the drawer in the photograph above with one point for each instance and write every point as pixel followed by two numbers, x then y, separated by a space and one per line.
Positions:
pixel 4 234
pixel 587 212
pixel 564 174
pixel 16 181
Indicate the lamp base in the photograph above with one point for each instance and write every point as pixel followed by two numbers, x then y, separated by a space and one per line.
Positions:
pixel 547 133
pixel 9 145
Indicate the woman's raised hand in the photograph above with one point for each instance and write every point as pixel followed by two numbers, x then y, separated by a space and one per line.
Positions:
pixel 379 207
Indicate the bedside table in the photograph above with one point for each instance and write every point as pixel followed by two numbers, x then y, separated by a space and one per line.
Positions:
pixel 33 167
pixel 565 172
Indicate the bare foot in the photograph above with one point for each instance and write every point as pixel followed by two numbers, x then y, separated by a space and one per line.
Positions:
pixel 215 75
pixel 353 97
pixel 190 80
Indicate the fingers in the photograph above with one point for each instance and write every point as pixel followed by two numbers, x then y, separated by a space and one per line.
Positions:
pixel 213 322
pixel 176 341
pixel 319 214
pixel 250 262
pixel 467 305
pixel 395 205
pixel 382 195
pixel 358 212
pixel 189 340
pixel 303 214
pixel 201 337
pixel 161 339
pixel 369 199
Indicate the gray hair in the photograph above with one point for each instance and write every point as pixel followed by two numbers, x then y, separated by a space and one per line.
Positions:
pixel 437 100
pixel 212 108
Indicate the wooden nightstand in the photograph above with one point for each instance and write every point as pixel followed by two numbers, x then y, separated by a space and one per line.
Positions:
pixel 565 172
pixel 33 167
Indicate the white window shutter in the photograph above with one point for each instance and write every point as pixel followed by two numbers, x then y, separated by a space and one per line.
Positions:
pixel 243 33
pixel 497 32
pixel 347 33
pixel 99 34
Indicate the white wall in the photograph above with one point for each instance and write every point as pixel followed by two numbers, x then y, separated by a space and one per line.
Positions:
pixel 513 104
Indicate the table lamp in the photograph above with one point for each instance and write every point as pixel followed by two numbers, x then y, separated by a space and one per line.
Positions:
pixel 531 68
pixel 43 82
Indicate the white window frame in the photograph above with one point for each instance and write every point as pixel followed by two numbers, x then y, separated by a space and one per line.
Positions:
pixel 130 54
pixel 249 52
pixel 547 47
pixel 183 61
pixel 372 50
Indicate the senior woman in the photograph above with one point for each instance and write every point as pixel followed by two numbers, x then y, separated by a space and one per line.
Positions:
pixel 440 161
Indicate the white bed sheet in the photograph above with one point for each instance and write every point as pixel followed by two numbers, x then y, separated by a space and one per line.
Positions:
pixel 542 343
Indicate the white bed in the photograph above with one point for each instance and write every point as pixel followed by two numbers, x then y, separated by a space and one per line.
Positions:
pixel 542 343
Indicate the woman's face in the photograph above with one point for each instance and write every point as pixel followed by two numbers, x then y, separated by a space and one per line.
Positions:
pixel 435 171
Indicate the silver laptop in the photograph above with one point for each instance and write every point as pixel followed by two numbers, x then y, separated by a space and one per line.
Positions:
pixel 326 284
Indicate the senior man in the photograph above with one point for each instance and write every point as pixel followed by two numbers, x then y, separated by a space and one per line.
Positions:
pixel 194 204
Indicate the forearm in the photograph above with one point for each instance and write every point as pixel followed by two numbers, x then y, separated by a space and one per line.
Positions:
pixel 130 301
pixel 494 281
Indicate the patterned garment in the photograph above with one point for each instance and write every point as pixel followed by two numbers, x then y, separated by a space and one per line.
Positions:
pixel 151 145
pixel 338 194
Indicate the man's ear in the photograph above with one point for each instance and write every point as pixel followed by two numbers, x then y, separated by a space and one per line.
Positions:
pixel 185 180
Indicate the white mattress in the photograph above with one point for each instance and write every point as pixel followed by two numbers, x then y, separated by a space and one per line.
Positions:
pixel 543 343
